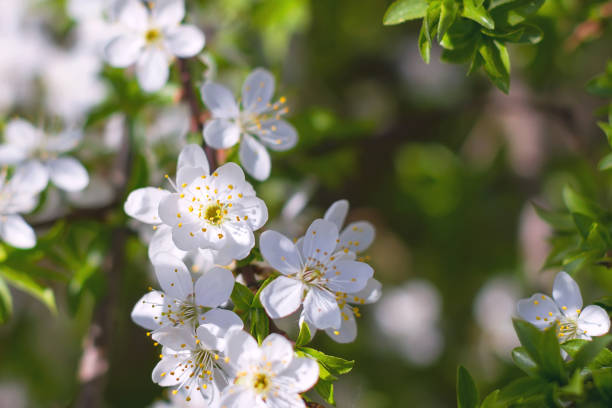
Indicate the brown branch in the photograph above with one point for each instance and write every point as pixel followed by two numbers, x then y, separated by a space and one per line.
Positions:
pixel 198 117
pixel 94 364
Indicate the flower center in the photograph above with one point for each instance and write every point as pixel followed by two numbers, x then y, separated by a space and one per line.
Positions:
pixel 214 214
pixel 261 383
pixel 311 276
pixel 153 35
pixel 183 312
pixel 567 329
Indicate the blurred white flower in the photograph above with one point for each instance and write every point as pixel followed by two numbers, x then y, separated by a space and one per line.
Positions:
pixel 171 125
pixel 270 375
pixel 24 143
pixel 313 274
pixel 179 400
pixel 565 310
pixel 494 307
pixel 409 316
pixel 183 302
pixel 65 75
pixel 256 116
pixel 19 195
pixel 152 37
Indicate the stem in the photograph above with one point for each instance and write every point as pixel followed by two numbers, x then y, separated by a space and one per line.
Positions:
pixel 197 116
pixel 94 364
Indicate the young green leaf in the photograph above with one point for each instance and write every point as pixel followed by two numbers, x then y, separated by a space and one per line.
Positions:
pixel 603 381
pixel 335 365
pixel 404 10
pixel 467 393
pixel 589 351
pixel 448 13
pixel 326 390
pixel 424 44
pixel 577 203
pixel 478 14
pixel 496 63
pixel 523 360
pixel 543 347
pixel 242 297
pixel 24 282
pixel 6 302
pixel 304 336
pixel 491 400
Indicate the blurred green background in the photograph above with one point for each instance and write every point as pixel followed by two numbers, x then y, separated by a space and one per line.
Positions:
pixel 444 165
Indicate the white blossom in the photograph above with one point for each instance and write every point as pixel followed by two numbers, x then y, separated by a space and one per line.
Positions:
pixel 217 210
pixel 565 310
pixel 313 274
pixel 181 301
pixel 151 38
pixel 195 361
pixel 24 143
pixel 255 123
pixel 143 205
pixel 19 195
pixel 269 375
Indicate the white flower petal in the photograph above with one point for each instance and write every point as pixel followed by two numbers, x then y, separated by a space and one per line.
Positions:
pixel 143 204
pixel 539 310
pixel 161 241
pixel 175 338
pixel 184 41
pixel 257 91
pixel 282 297
pixel 255 158
pixel 189 237
pixel 193 155
pixel 123 50
pixel 185 175
pixel 241 348
pixel 16 232
pixel 68 174
pixel 357 236
pixel 285 400
pixel 169 209
pixel 277 351
pixel 11 154
pixel 31 177
pixel 238 396
pixel 152 70
pixel 216 325
pixel 168 13
pixel 221 133
pixel 220 101
pixel 347 332
pixel 134 15
pixel 173 276
pixel 255 209
pixel 214 287
pixel 321 308
pixel 161 372
pixel 148 310
pixel 22 134
pixel 277 135
pixel 301 375
pixel 370 294
pixel 566 294
pixel 64 141
pixel 337 212
pixel 280 252
pixel 320 241
pixel 594 321
pixel 348 276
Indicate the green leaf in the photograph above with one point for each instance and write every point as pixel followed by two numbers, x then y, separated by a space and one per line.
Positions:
pixel 6 302
pixel 491 400
pixel 326 390
pixel 521 390
pixel 601 86
pixel 242 296
pixel 583 223
pixel 523 360
pixel 404 10
pixel 25 283
pixel 603 381
pixel 260 324
pixel 304 336
pixel 576 203
pixel 448 13
pixel 560 221
pixel 605 302
pixel 605 163
pixel 543 348
pixel 256 303
pixel 496 63
pixel 335 365
pixel 478 14
pixel 607 128
pixel 467 393
pixel 589 351
pixel 424 44
pixel 575 386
